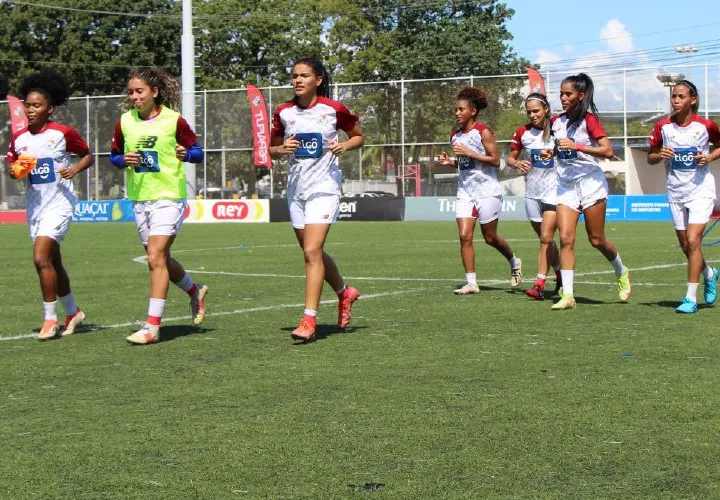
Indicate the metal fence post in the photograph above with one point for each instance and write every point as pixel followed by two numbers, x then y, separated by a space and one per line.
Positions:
pixel 205 134
pixel 402 135
pixel 625 120
pixel 87 134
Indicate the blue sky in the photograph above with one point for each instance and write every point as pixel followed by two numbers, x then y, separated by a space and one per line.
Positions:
pixel 566 37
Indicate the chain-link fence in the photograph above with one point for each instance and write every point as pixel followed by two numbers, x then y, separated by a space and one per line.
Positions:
pixel 406 123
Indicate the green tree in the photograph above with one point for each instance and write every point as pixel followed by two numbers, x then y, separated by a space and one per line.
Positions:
pixel 96 51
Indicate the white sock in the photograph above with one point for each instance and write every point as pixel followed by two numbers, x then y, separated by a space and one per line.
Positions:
pixel 156 307
pixel 186 283
pixel 567 276
pixel 707 272
pixel 310 312
pixel 50 310
pixel 542 276
pixel 514 261
pixel 68 303
pixel 341 290
pixel 617 265
pixel 692 291
pixel 471 278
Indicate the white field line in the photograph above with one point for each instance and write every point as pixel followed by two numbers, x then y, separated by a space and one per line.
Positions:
pixel 222 313
pixel 487 282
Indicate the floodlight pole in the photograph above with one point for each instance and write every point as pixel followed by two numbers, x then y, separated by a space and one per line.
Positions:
pixel 187 42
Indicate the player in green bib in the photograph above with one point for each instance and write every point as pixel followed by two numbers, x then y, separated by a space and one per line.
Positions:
pixel 151 141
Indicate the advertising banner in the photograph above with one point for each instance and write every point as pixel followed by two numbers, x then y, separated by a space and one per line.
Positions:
pixel 260 127
pixel 432 208
pixel 227 211
pixel 18 119
pixel 104 211
pixel 352 209
pixel 647 208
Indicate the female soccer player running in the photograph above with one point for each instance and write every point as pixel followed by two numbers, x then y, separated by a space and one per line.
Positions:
pixel 479 196
pixel 306 130
pixel 540 186
pixel 582 188
pixel 50 199
pixel 683 142
pixel 151 141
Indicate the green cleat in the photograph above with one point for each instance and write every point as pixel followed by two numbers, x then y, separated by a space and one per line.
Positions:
pixel 624 287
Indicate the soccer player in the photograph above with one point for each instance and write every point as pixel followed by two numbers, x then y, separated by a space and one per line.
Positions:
pixel 540 186
pixel 150 141
pixel 305 130
pixel 683 141
pixel 479 196
pixel 582 189
pixel 50 198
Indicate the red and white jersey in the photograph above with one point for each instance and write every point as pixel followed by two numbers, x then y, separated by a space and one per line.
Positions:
pixel 475 178
pixel 571 164
pixel 313 168
pixel 46 188
pixel 542 179
pixel 685 180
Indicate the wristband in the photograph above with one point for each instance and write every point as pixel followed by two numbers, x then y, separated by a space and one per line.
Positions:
pixel 579 147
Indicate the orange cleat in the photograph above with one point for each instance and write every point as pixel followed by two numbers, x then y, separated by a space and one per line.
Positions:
pixel 49 330
pixel 305 332
pixel 345 303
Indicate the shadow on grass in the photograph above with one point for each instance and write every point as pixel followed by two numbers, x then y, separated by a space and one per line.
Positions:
pixel 173 332
pixel 324 331
pixel 484 288
pixel 672 304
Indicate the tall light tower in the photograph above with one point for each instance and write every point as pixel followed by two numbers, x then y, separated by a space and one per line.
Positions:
pixel 688 50
pixel 187 43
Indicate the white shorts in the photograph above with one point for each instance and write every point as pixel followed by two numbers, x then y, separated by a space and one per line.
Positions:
pixel 53 225
pixel 318 209
pixel 536 208
pixel 484 209
pixel 158 218
pixel 693 212
pixel 583 192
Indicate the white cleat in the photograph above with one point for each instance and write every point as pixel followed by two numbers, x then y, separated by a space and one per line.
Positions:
pixel 72 322
pixel 197 304
pixel 148 334
pixel 467 289
pixel 516 275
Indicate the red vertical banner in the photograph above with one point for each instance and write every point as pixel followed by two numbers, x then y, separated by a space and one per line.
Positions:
pixel 535 80
pixel 18 119
pixel 260 126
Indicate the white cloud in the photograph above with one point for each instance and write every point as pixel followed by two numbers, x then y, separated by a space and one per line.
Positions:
pixel 547 57
pixel 617 37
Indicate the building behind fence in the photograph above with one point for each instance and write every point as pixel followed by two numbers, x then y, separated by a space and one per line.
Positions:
pixel 407 123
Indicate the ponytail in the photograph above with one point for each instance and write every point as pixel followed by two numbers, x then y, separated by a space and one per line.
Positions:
pixel 323 90
pixel 583 84
pixel 167 86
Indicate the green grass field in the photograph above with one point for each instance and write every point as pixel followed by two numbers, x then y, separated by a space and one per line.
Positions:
pixel 428 394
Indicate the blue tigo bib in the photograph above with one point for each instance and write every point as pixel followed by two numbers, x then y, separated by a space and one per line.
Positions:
pixel 684 159
pixel 465 163
pixel 44 171
pixel 311 145
pixel 538 162
pixel 567 154
pixel 148 162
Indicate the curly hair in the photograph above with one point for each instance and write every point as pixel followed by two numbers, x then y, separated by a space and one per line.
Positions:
pixel 168 87
pixel 50 83
pixel 475 96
